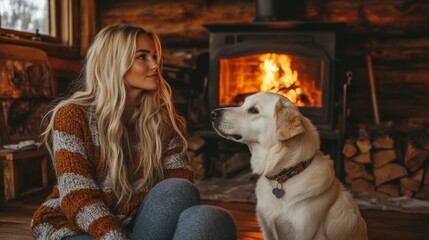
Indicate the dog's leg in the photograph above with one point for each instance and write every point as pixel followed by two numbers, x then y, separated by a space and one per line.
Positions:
pixel 274 232
pixel 266 231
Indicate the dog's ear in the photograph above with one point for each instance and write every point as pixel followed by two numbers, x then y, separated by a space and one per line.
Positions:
pixel 288 120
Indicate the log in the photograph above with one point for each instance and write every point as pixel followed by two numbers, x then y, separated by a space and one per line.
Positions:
pixel 181 21
pixel 390 189
pixel 348 179
pixel 383 136
pixel 383 157
pixel 356 170
pixel 406 192
pixel 400 50
pixel 195 143
pixel 417 150
pixel 414 158
pixel 388 173
pixel 374 18
pixel 423 193
pixel 358 185
pixel 383 143
pixel 349 148
pixel 237 162
pixel 363 158
pixel 413 181
pixel 363 143
pixel 197 164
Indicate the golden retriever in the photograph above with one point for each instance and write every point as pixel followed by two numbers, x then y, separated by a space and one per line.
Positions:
pixel 298 195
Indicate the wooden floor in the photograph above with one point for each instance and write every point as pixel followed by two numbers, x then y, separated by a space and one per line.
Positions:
pixel 15 220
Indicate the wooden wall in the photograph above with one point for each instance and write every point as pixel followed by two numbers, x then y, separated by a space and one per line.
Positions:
pixel 180 23
pixel 394 32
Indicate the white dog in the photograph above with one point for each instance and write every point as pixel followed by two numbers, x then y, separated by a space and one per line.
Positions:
pixel 298 195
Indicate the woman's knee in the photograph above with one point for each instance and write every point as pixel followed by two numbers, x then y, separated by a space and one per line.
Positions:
pixel 176 187
pixel 172 193
pixel 164 204
pixel 205 219
pixel 209 213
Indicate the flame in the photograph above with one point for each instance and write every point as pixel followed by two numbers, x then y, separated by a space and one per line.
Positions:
pixel 277 74
pixel 271 72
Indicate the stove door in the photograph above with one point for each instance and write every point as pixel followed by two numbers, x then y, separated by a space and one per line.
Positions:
pixel 301 73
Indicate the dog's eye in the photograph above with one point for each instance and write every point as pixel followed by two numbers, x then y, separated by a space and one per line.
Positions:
pixel 253 110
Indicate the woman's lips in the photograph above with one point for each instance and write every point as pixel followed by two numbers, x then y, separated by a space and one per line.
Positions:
pixel 153 77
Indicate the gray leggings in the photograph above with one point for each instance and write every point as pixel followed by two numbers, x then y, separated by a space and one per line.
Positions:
pixel 172 210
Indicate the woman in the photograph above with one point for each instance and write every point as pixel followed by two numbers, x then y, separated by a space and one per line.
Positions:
pixel 119 153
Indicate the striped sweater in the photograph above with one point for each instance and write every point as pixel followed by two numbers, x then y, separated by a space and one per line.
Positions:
pixel 82 200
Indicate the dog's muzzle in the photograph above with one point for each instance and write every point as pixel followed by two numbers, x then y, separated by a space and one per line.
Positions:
pixel 216 116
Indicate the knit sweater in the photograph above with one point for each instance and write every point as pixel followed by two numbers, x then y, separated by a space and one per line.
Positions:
pixel 83 201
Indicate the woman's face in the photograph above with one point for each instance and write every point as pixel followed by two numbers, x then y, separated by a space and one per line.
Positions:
pixel 143 74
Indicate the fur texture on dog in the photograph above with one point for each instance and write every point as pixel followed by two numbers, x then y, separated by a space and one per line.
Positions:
pixel 315 204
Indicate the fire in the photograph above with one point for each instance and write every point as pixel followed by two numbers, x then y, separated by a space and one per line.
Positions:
pixel 296 78
pixel 277 75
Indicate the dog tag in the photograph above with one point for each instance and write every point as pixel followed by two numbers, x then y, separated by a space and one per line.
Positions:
pixel 278 192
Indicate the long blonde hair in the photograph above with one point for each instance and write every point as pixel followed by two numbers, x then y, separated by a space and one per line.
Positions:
pixel 103 96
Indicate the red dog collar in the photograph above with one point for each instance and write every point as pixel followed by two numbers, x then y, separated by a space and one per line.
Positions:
pixel 287 174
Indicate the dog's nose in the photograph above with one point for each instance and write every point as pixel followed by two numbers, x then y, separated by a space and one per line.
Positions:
pixel 215 114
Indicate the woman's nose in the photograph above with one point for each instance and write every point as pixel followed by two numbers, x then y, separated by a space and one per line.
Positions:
pixel 153 64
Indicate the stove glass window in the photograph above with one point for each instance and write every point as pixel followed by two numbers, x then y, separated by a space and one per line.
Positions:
pixel 299 79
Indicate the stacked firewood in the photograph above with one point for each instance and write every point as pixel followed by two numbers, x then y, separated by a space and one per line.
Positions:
pixel 382 162
pixel 196 156
pixel 216 159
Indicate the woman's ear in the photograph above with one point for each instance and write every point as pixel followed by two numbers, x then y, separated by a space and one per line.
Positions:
pixel 288 120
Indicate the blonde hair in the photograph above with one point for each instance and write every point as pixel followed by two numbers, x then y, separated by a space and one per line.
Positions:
pixel 103 96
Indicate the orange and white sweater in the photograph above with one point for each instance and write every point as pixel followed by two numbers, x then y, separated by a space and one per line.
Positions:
pixel 82 200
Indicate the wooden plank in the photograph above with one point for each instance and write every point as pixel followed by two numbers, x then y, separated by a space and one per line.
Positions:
pixel 176 21
pixel 9 179
pixel 375 18
pixel 396 225
pixel 401 50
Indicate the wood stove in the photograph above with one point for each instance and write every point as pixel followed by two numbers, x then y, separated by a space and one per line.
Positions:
pixel 297 59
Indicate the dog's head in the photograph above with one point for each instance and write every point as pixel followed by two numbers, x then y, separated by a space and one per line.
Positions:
pixel 264 118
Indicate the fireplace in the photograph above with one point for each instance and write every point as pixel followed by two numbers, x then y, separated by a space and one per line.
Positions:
pixel 297 59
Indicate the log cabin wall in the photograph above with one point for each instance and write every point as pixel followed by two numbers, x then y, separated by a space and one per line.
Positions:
pixel 180 23
pixel 394 32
